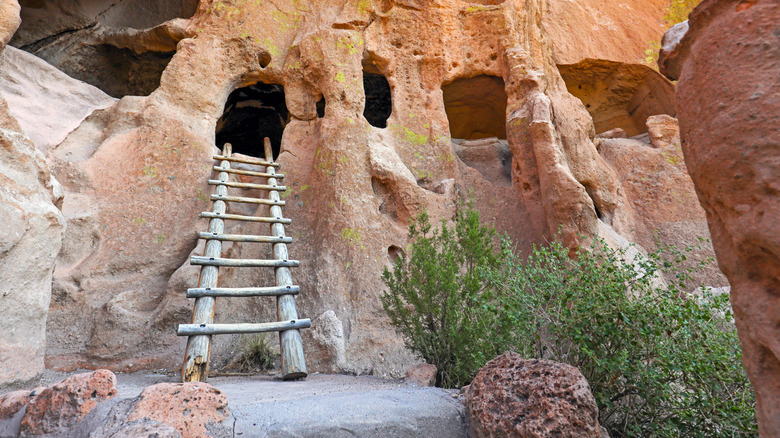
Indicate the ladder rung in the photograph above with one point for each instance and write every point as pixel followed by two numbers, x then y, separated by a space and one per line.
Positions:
pixel 224 329
pixel 255 161
pixel 245 200
pixel 238 217
pixel 250 173
pixel 243 263
pixel 244 238
pixel 238 185
pixel 243 291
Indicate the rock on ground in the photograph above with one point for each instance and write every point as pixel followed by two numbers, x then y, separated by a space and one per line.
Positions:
pixel 57 408
pixel 423 374
pixel 729 112
pixel 514 397
pixel 260 406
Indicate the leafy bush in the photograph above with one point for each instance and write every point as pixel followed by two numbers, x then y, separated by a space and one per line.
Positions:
pixel 439 303
pixel 660 362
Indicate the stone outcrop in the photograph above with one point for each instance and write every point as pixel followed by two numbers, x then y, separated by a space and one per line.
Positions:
pixel 729 112
pixel 514 397
pixel 353 186
pixel 47 103
pixel 423 374
pixel 31 239
pixel 59 407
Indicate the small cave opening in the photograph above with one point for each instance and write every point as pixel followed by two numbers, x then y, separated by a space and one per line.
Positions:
pixel 394 253
pixel 321 107
pixel 476 107
pixel 379 101
pixel 619 96
pixel 251 114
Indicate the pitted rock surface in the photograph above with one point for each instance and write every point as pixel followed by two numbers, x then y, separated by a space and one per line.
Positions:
pixel 61 406
pixel 729 64
pixel 514 397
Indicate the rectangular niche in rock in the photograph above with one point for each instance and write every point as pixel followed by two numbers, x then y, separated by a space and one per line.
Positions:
pixel 476 107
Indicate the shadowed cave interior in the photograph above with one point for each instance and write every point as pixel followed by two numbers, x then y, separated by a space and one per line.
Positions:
pixel 251 114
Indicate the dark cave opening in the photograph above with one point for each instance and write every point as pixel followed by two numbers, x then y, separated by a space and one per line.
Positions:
pixel 476 107
pixel 251 114
pixel 379 102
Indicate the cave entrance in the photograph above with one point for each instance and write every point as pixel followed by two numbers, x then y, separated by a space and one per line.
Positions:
pixel 476 107
pixel 251 114
pixel 379 102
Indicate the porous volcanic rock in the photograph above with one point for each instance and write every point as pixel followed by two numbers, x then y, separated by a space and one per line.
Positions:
pixel 729 111
pixel 135 173
pixel 190 408
pixel 31 239
pixel 514 397
pixel 60 406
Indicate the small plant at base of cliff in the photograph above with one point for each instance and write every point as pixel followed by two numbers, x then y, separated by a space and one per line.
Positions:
pixel 438 301
pixel 660 362
pixel 256 354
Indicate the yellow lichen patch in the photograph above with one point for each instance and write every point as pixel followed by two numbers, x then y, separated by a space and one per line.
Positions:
pixel 353 236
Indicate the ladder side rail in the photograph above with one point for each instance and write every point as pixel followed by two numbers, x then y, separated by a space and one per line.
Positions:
pixel 293 362
pixel 198 353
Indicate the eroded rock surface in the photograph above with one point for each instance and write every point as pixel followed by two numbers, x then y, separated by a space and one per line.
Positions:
pixel 514 397
pixel 31 238
pixel 729 112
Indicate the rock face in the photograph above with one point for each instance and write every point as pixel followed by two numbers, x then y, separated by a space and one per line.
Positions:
pixel 729 111
pixel 370 128
pixel 47 103
pixel 119 47
pixel 59 407
pixel 514 397
pixel 31 239
pixel 616 30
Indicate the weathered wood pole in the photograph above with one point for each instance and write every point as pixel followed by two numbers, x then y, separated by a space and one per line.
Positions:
pixel 196 358
pixel 293 362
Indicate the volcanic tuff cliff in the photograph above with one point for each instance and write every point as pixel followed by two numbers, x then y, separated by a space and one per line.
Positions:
pixel 378 110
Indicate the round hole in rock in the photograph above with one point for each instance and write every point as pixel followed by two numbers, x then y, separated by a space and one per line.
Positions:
pixel 264 58
pixel 394 253
pixel 476 107
pixel 379 102
pixel 251 114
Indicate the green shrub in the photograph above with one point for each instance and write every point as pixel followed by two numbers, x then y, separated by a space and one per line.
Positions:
pixel 660 362
pixel 439 303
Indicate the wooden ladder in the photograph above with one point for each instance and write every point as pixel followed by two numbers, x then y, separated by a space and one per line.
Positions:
pixel 196 359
